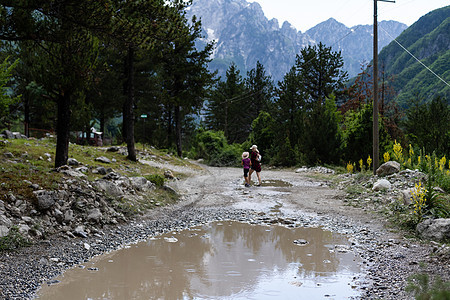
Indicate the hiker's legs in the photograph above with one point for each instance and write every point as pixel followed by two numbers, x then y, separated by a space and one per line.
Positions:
pixel 250 176
pixel 259 177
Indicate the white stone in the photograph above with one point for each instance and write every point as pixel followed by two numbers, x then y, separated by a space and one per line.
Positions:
pixel 382 184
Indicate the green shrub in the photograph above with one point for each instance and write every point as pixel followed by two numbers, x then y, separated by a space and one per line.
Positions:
pixel 157 179
pixel 212 146
pixel 14 240
pixel 443 181
pixel 419 285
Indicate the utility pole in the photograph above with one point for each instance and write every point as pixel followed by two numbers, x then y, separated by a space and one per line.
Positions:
pixel 376 133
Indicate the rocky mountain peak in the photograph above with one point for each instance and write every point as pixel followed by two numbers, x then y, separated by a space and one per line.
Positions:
pixel 244 35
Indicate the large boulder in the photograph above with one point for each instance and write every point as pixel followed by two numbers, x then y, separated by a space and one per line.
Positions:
pixel 381 185
pixel 8 134
pixel 141 184
pixel 45 199
pixel 388 168
pixel 110 188
pixel 434 229
pixel 94 215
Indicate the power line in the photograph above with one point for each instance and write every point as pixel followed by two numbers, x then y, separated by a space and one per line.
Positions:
pixel 440 78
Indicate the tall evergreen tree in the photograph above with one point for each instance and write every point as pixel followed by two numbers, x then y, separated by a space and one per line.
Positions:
pixel 228 107
pixel 289 107
pixel 186 75
pixel 261 87
pixel 320 70
pixel 63 29
pixel 142 25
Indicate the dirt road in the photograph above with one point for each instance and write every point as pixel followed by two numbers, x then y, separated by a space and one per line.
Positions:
pixel 388 257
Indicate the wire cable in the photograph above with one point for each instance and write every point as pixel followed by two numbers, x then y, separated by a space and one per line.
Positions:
pixel 395 40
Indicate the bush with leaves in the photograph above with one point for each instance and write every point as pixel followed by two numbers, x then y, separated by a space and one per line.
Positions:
pixel 357 134
pixel 13 240
pixel 212 146
pixel 427 125
pixel 263 134
pixel 6 98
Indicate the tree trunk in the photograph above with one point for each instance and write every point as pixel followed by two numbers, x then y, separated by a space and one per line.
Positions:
pixel 178 130
pixel 129 106
pixel 27 115
pixel 125 119
pixel 102 125
pixel 62 130
pixel 169 126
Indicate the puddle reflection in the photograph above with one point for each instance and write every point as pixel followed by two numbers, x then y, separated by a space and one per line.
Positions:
pixel 218 261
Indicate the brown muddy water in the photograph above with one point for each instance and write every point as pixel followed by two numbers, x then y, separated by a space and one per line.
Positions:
pixel 221 260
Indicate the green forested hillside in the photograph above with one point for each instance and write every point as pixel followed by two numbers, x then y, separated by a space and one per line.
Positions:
pixel 429 41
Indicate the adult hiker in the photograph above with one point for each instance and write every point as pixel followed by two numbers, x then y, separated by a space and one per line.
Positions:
pixel 255 158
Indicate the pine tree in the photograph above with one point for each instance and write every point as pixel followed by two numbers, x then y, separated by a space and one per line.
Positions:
pixel 229 106
pixel 261 87
pixel 320 71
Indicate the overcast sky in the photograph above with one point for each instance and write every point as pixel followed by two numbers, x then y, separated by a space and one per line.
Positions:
pixel 304 14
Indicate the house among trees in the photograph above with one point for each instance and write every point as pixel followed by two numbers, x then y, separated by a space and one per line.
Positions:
pixel 94 139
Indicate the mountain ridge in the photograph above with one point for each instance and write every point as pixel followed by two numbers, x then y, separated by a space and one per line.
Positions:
pixel 245 35
pixel 428 40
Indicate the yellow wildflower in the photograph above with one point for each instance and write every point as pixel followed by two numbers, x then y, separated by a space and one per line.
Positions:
pixel 442 163
pixel 386 156
pixel 349 167
pixel 369 161
pixel 398 151
pixel 419 199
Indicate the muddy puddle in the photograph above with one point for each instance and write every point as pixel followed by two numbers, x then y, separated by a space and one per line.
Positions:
pixel 275 183
pixel 219 261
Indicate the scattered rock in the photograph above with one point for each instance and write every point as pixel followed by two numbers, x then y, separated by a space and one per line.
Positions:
pixel 94 215
pixel 101 171
pixel 68 216
pixel 73 173
pixel 4 231
pixel 103 159
pixel 113 149
pixel 73 162
pixel 434 229
pixel 407 196
pixel 300 242
pixel 8 155
pixel 109 187
pixel 168 174
pixel 79 231
pixel 382 184
pixel 317 169
pixel 45 199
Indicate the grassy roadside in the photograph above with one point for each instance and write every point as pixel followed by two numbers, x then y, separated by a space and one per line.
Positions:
pixel 27 165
